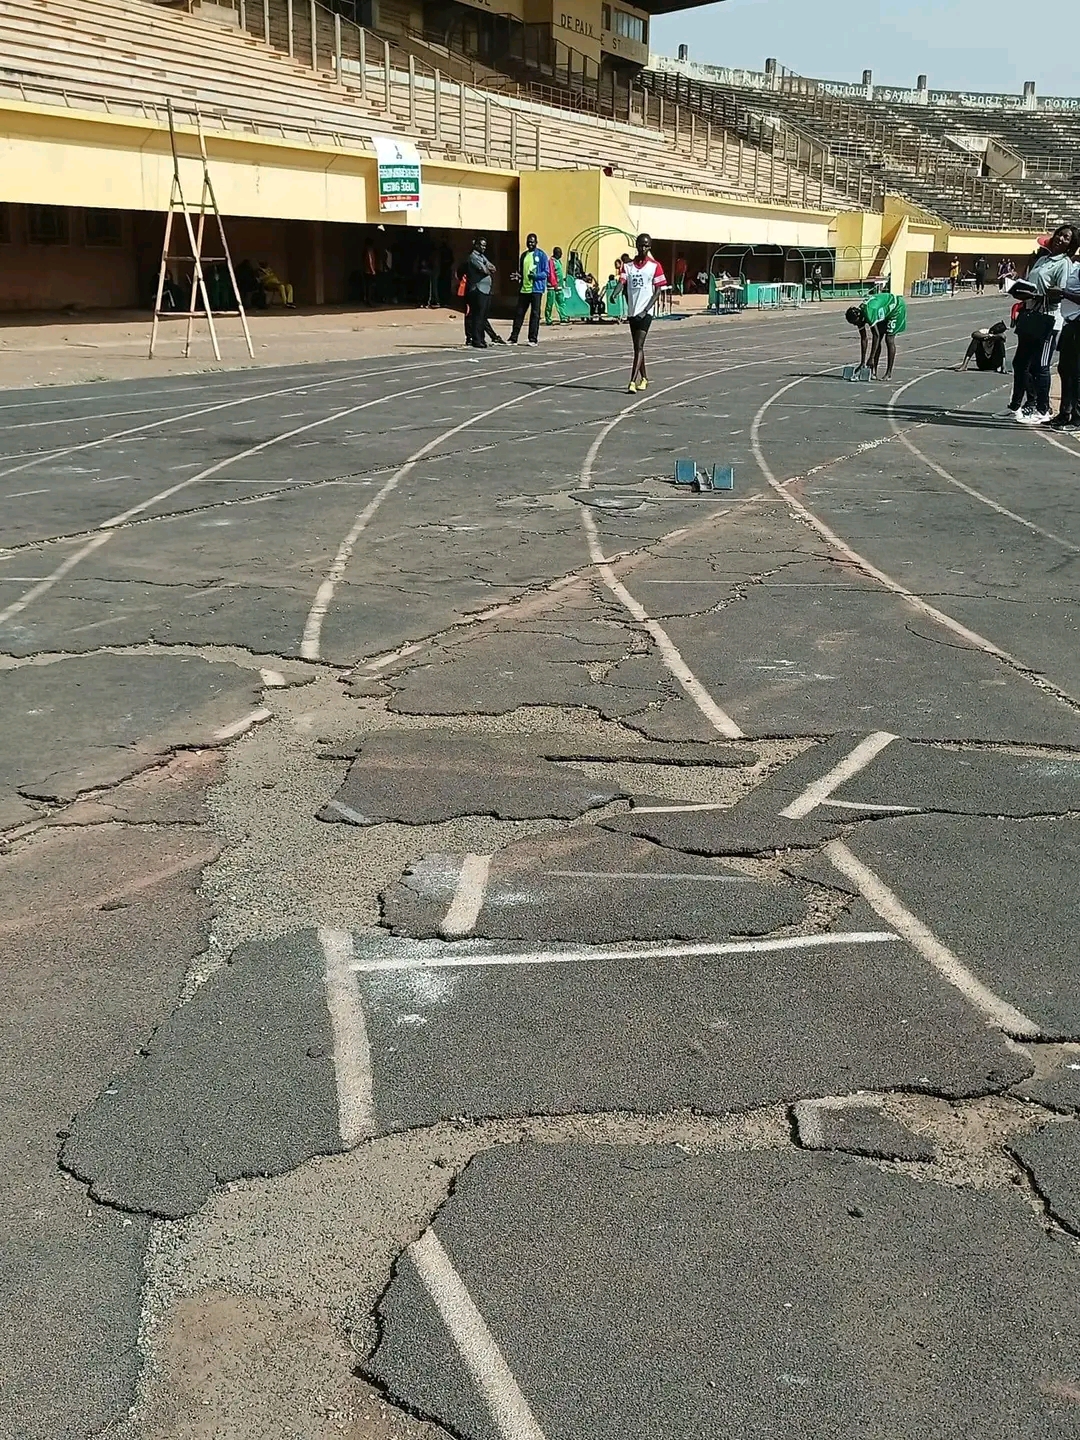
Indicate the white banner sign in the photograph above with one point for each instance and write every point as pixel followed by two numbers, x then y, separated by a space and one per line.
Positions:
pixel 399 173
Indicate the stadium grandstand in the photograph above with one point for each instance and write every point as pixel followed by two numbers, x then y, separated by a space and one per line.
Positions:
pixel 978 161
pixel 522 120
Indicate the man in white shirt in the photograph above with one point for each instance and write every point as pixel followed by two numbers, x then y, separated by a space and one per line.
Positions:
pixel 642 279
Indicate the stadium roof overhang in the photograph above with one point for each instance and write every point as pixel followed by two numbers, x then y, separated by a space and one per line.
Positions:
pixel 667 7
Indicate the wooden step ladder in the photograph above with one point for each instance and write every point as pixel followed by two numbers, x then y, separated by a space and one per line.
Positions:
pixel 196 233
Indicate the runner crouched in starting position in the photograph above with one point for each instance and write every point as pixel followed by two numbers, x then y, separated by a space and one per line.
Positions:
pixel 879 317
pixel 642 279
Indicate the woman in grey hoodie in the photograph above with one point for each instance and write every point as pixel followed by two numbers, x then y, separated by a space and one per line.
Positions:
pixel 1038 325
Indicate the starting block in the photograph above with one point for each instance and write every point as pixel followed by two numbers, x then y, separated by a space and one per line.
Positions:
pixel 856 372
pixel 720 477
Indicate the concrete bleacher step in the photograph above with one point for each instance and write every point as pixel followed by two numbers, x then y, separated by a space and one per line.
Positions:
pixel 155 52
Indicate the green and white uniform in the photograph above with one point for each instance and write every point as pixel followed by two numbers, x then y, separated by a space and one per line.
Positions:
pixel 888 309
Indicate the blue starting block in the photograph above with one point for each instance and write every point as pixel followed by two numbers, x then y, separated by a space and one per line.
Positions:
pixel 856 372
pixel 720 477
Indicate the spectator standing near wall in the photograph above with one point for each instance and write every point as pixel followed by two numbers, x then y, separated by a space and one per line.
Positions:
pixel 815 283
pixel 954 275
pixel 554 299
pixel 981 268
pixel 478 273
pixel 532 272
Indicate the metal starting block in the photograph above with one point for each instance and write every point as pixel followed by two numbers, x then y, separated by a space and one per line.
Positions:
pixel 720 477
pixel 856 372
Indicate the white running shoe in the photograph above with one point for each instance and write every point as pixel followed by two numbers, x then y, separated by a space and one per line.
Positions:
pixel 1033 417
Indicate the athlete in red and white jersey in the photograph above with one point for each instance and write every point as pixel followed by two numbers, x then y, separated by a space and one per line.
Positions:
pixel 642 280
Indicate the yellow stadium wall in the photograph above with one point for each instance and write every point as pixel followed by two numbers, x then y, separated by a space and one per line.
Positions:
pixel 50 157
pixel 559 205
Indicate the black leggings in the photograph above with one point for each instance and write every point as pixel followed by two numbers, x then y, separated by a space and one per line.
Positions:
pixel 639 333
pixel 1031 371
pixel 1069 370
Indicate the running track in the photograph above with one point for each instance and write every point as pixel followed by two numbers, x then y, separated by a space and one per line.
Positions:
pixel 671 812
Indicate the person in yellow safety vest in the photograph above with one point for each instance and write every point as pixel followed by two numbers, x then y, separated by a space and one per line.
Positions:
pixel 555 299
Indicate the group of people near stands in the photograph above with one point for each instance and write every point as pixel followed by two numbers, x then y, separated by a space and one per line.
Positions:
pixel 1046 320
pixel 640 281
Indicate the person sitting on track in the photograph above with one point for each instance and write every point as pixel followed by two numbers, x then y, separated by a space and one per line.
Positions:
pixel 879 317
pixel 987 349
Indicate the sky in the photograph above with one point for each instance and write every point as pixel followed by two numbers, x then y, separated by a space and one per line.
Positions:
pixel 959 45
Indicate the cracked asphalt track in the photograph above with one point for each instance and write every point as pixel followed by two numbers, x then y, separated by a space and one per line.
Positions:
pixel 444 866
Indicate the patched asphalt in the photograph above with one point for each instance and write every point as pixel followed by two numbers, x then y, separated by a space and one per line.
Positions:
pixel 1051 1155
pixel 1018 937
pixel 238 1081
pixel 97 930
pixel 801 1294
pixel 423 777
pixel 859 1127
pixel 95 722
pixel 592 887
pixel 502 1033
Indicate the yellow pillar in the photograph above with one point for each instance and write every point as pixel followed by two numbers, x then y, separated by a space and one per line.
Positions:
pixel 559 205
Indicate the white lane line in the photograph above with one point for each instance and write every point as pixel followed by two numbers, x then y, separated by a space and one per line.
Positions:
pixel 229 732
pixel 639 875
pixel 381 661
pixel 311 643
pixel 25 494
pixel 509 1410
pixel 646 952
pixel 892 910
pixel 959 484
pixel 349 812
pixel 850 765
pixel 468 899
pixel 279 439
pixel 679 809
pixel 352 1051
pixel 719 719
pixel 923 607
pixel 1053 440
pixel 85 419
pixel 49 581
pixel 138 431
pixel 861 805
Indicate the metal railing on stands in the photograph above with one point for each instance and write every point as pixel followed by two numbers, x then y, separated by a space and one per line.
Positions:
pixel 442 113
pixel 874 154
pixel 483 123
pixel 920 157
pixel 28 84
